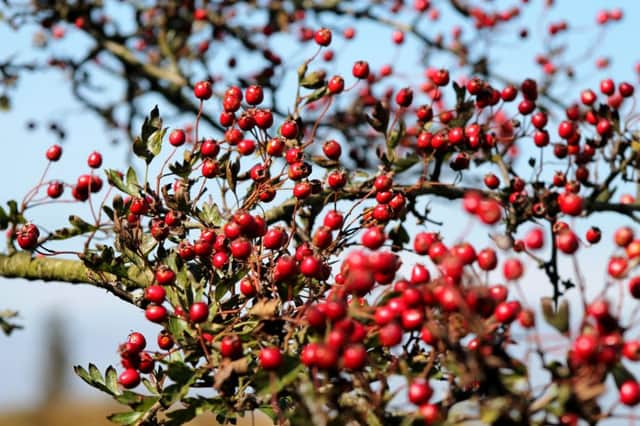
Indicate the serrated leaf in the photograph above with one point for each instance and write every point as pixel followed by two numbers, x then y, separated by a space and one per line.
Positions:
pixel 210 214
pixel 128 418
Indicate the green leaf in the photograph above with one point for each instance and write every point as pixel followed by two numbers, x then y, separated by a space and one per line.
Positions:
pixel 6 325
pixel 559 319
pixel 83 374
pixel 4 219
pixel 111 380
pixel 154 144
pixel 129 398
pixel 313 80
pixel 210 214
pixel 302 70
pixel 5 103
pixel 113 176
pixel 405 163
pixel 621 374
pixel 177 326
pixel 132 181
pixel 151 124
pixel 140 150
pixel 294 367
pixel 317 94
pixel 128 418
pixel 95 374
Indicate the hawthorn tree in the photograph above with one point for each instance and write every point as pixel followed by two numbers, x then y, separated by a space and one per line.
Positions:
pixel 317 285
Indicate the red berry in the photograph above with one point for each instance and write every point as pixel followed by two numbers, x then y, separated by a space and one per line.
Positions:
pixel 289 129
pixel 512 269
pixel 254 95
pixel 54 152
pixel 593 235
pixel 332 149
pixel 177 137
pixel 165 341
pixel 354 357
pixel 155 294
pixel 27 236
pixel 419 391
pixel 231 346
pixel 390 334
pixel 165 276
pixel 95 160
pixel 155 313
pixel 55 189
pixel 361 69
pixel 570 203
pixel 630 393
pixel 323 37
pixel 198 312
pixel 607 87
pixel 534 240
pixel 203 90
pixel 129 378
pixel 270 358
pixel 136 342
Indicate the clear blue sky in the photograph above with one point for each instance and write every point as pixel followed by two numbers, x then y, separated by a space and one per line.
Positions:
pixel 97 322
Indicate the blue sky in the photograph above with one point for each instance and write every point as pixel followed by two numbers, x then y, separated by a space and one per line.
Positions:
pixel 97 322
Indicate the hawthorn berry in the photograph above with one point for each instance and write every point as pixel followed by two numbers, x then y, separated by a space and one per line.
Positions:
pixel 203 90
pixel 177 137
pixel 198 312
pixel 270 358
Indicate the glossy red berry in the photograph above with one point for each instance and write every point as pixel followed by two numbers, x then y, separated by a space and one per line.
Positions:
pixel 270 358
pixel 95 160
pixel 198 312
pixel 361 69
pixel 155 294
pixel 129 378
pixel 55 189
pixel 177 137
pixel 231 346
pixel 419 391
pixel 156 313
pixel 630 393
pixel 254 95
pixel 54 153
pixel 203 90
